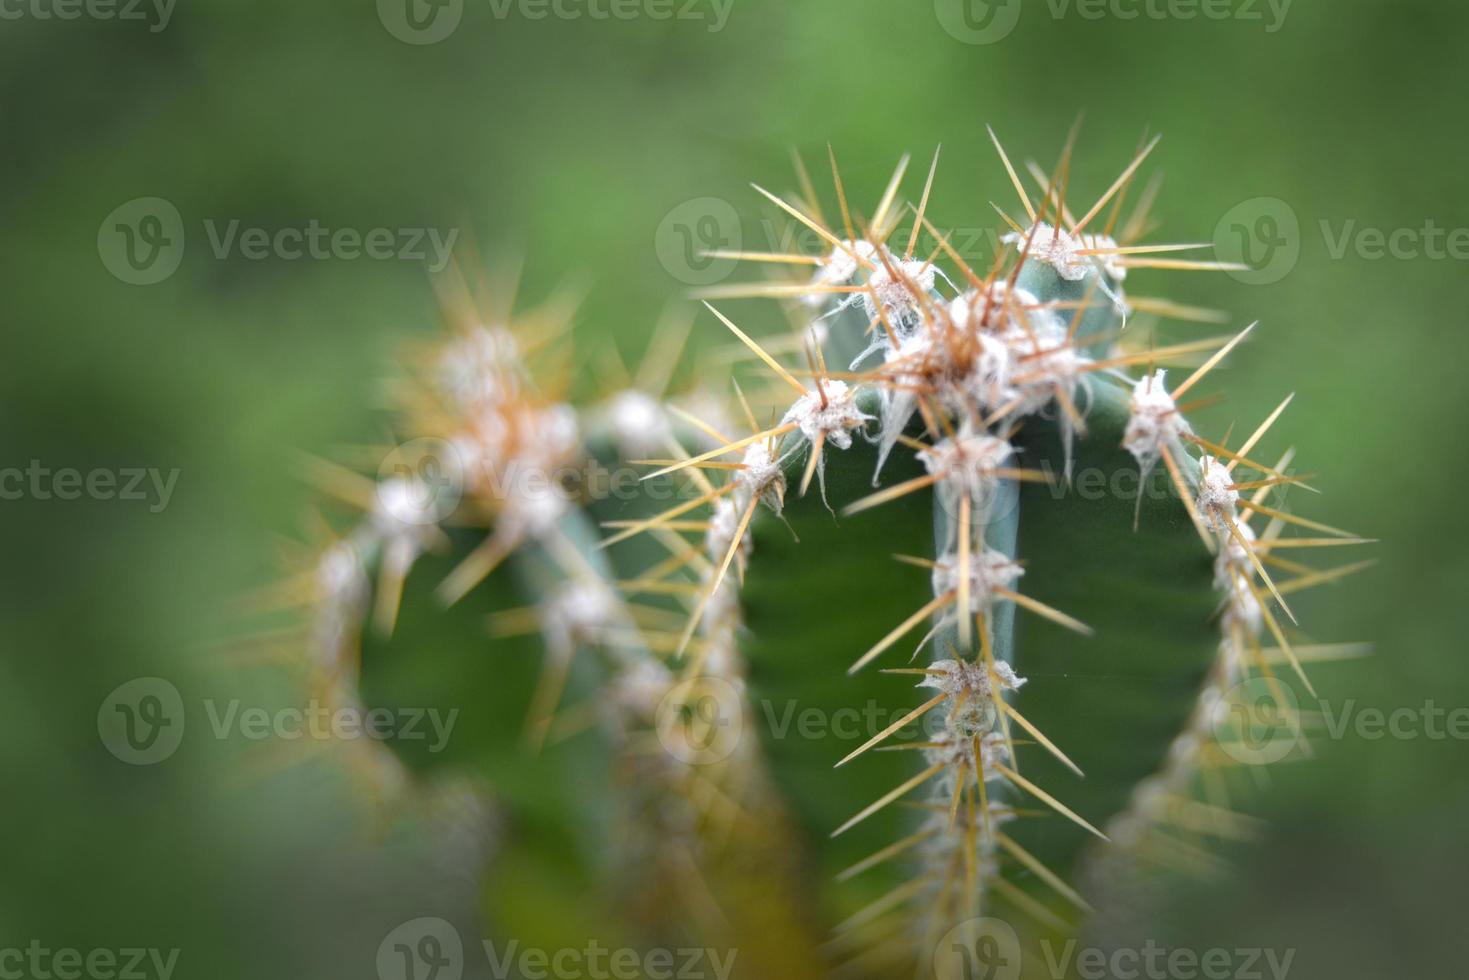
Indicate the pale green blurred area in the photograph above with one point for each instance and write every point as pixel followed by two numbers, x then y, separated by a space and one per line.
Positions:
pixel 566 143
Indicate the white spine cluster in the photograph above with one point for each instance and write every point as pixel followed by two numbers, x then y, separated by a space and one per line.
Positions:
pixel 825 417
pixel 579 613
pixel 1056 248
pixel 968 741
pixel 1155 424
pixel 482 366
pixel 1073 257
pixel 1218 502
pixel 839 268
pixel 1233 570
pixel 830 414
pixel 998 351
pixel 988 571
pixel 638 424
pixel 900 289
pixel 404 518
pixel 340 602
pixel 512 451
pixel 761 478
pixel 967 465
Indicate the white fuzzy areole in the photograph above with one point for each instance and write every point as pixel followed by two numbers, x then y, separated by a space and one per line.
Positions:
pixel 1233 570
pixel 760 476
pixel 638 423
pixel 531 512
pixel 838 268
pixel 640 689
pixel 1155 422
pixel 988 570
pixel 1218 502
pixel 961 678
pixel 971 457
pixel 579 612
pixel 896 292
pixel 1054 247
pixel 831 413
pixel 483 366
pixel 404 507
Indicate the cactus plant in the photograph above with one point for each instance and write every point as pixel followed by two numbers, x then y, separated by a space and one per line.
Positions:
pixel 1090 583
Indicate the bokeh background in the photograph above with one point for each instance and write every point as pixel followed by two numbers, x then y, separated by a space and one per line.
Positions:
pixel 567 143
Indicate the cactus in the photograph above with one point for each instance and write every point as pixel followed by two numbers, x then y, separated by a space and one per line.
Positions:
pixel 950 415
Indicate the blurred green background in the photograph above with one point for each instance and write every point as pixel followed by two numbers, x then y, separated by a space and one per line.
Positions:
pixel 567 142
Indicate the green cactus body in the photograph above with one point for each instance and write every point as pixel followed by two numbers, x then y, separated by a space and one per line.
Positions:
pixel 1082 591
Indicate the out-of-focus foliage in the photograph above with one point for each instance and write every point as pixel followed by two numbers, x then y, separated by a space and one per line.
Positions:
pixel 568 142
